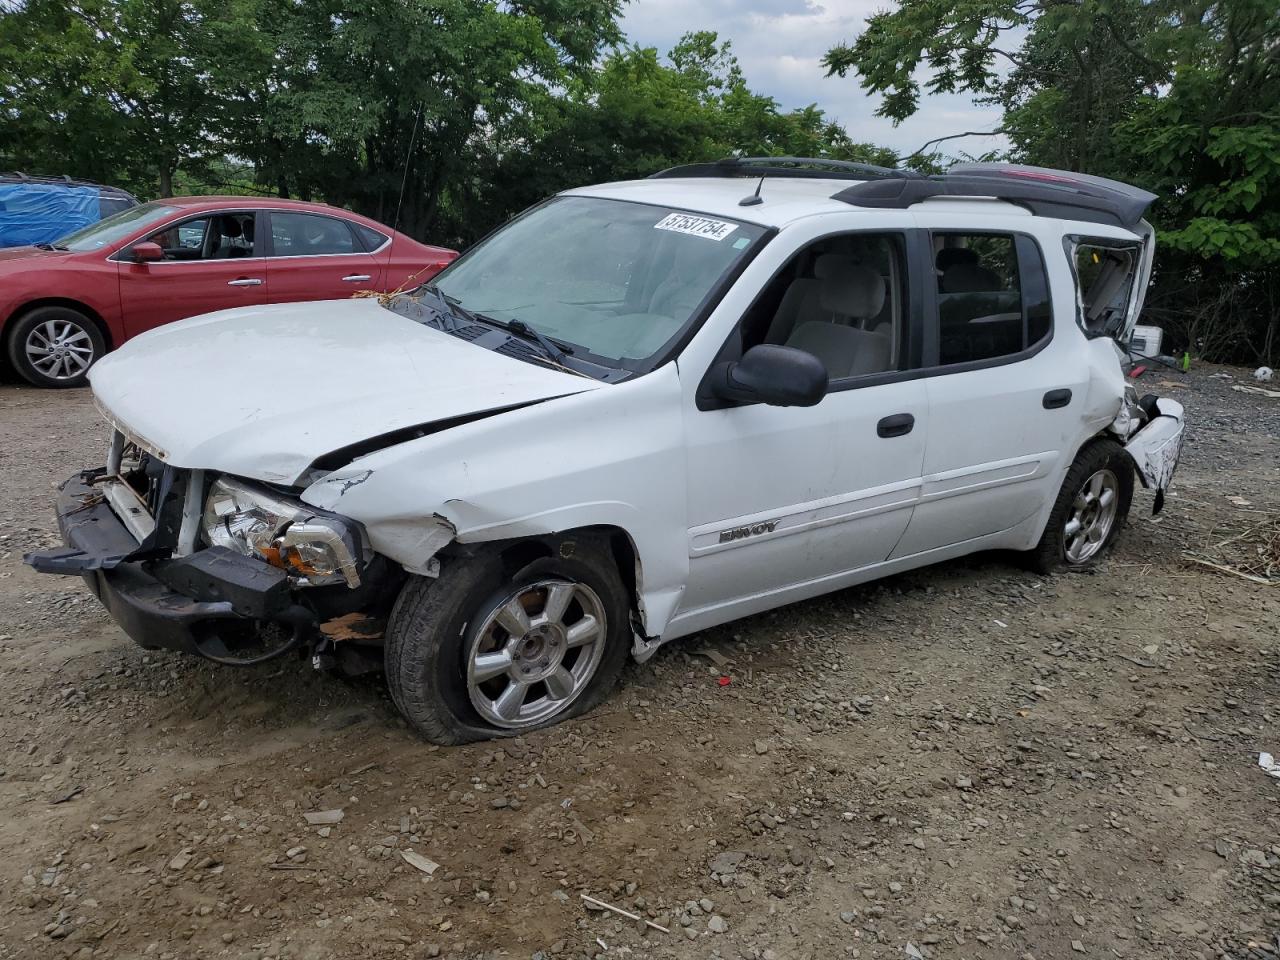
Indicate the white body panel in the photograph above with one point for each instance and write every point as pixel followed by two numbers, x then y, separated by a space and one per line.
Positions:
pixel 262 393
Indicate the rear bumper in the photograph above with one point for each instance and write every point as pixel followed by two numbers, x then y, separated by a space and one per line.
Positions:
pixel 169 604
pixel 1156 447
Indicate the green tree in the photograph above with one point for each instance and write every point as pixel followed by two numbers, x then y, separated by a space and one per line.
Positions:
pixel 117 89
pixel 1179 96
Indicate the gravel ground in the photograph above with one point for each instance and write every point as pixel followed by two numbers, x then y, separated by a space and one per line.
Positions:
pixel 966 761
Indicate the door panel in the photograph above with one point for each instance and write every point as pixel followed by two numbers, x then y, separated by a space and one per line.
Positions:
pixel 152 294
pixel 316 257
pixel 783 496
pixel 994 450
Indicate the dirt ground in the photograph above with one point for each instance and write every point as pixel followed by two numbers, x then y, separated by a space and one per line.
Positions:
pixel 967 761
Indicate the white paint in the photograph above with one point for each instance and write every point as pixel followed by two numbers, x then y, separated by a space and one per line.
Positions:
pixel 825 503
pixel 262 391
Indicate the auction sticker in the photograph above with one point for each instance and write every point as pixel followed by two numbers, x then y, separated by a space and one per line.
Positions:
pixel 696 226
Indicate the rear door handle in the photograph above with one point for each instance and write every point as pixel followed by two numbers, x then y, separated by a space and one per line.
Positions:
pixel 1057 398
pixel 245 282
pixel 357 278
pixel 898 425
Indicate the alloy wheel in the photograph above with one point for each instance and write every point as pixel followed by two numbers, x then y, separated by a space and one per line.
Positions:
pixel 535 652
pixel 1092 516
pixel 59 349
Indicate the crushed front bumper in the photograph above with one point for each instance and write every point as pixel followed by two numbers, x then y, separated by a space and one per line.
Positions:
pixel 174 604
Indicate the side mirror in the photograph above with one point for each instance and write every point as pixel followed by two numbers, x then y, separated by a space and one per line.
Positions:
pixel 146 252
pixel 773 374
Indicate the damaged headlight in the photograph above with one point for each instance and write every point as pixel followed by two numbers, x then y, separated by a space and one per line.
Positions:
pixel 316 549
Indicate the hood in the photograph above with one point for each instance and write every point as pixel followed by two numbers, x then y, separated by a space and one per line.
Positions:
pixel 10 254
pixel 263 392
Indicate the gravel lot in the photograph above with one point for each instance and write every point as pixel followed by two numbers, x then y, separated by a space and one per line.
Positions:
pixel 967 761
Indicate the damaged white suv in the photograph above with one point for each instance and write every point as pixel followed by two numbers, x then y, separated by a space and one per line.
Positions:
pixel 636 411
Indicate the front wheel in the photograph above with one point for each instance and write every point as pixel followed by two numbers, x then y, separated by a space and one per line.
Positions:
pixel 483 651
pixel 1090 510
pixel 55 346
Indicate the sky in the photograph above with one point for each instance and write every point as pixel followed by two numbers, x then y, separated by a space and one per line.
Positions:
pixel 780 45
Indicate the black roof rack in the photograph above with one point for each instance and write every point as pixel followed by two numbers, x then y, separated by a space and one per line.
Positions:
pixel 17 176
pixel 818 168
pixel 1045 192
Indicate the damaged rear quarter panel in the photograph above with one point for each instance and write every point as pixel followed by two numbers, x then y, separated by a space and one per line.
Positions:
pixel 613 457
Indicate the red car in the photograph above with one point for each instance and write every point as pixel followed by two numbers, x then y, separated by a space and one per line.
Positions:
pixel 64 304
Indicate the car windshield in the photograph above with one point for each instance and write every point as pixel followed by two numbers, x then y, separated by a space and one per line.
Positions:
pixel 106 232
pixel 612 279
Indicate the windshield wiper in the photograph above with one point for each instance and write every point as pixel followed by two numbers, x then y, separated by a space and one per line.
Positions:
pixel 49 246
pixel 557 352
pixel 444 308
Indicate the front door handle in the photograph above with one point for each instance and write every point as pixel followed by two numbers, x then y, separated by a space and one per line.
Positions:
pixel 245 282
pixel 1055 399
pixel 357 278
pixel 898 425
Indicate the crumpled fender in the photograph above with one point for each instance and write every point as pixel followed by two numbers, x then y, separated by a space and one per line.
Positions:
pixel 1155 448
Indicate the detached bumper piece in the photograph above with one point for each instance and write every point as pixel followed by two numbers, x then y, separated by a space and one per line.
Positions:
pixel 184 604
pixel 1156 447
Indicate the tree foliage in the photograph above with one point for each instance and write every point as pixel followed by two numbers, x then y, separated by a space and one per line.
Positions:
pixel 1179 96
pixel 446 116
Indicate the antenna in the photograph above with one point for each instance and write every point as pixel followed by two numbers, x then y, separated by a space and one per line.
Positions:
pixel 755 198
pixel 408 157
pixel 404 178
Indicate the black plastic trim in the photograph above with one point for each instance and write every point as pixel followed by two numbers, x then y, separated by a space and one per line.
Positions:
pixel 1060 200
pixel 814 168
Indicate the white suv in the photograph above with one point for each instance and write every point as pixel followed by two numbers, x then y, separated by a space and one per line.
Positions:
pixel 634 412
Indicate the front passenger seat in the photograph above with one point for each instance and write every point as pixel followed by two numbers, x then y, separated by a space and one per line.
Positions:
pixel 832 331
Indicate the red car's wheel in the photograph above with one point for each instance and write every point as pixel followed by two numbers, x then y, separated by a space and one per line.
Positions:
pixel 55 346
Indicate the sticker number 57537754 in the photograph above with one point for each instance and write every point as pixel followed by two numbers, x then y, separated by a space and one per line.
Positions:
pixel 696 226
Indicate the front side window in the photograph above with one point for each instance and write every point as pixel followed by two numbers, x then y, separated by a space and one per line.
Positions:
pixel 612 279
pixel 222 236
pixel 842 299
pixel 993 298
pixel 309 235
pixel 108 232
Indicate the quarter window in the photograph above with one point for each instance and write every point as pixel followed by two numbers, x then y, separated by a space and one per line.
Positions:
pixel 371 238
pixel 309 235
pixel 993 296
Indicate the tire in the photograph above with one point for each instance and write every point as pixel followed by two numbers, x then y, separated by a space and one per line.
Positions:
pixel 1083 525
pixel 55 347
pixel 438 629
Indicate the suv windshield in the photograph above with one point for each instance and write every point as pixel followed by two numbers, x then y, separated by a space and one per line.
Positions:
pixel 611 279
pixel 106 232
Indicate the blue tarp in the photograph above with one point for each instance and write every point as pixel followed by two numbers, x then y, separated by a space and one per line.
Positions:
pixel 41 213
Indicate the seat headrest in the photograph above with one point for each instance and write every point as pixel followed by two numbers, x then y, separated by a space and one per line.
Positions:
pixel 949 257
pixel 857 291
pixel 970 278
pixel 230 227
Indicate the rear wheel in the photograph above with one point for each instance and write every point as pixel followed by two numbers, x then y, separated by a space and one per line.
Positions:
pixel 1090 510
pixel 55 346
pixel 483 652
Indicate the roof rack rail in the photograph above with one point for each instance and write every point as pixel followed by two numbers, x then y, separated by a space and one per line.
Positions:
pixel 819 168
pixel 1045 192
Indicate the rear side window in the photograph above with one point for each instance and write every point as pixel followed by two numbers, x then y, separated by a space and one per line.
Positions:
pixel 1104 274
pixel 993 296
pixel 371 238
pixel 310 235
